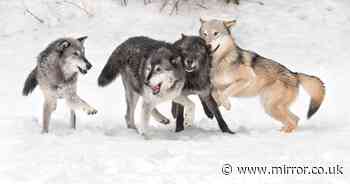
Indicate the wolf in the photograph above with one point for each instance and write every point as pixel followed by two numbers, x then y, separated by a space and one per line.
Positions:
pixel 242 73
pixel 197 63
pixel 56 73
pixel 149 68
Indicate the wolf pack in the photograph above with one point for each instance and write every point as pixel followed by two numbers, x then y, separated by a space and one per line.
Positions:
pixel 210 65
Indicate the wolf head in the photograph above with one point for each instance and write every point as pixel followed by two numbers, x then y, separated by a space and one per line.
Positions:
pixel 163 70
pixel 216 33
pixel 194 50
pixel 71 53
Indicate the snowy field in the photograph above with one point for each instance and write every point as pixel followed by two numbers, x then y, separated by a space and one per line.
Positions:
pixel 310 36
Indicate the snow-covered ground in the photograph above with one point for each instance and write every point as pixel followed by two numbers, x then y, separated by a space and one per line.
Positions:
pixel 307 36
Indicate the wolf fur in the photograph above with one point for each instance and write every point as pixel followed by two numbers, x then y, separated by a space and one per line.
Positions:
pixel 149 68
pixel 197 66
pixel 238 72
pixel 56 73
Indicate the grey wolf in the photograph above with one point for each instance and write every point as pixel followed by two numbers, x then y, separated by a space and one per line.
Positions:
pixel 56 73
pixel 149 68
pixel 197 63
pixel 241 73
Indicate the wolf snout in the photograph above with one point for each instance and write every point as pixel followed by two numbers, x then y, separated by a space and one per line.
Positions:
pixel 88 65
pixel 188 62
pixel 190 65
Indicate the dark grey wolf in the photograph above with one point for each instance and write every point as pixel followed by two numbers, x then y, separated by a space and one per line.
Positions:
pixel 56 73
pixel 149 68
pixel 197 65
pixel 238 72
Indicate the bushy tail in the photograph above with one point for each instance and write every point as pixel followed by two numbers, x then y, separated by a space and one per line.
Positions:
pixel 30 83
pixel 110 71
pixel 315 88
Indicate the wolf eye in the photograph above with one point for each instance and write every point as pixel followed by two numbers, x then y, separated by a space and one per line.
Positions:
pixel 205 33
pixel 76 53
pixel 157 69
pixel 216 33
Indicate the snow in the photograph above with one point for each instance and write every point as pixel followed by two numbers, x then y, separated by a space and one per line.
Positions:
pixel 306 36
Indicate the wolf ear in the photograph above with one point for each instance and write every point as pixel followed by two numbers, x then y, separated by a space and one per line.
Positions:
pixel 229 23
pixel 62 45
pixel 202 20
pixel 175 61
pixel 82 39
pixel 183 36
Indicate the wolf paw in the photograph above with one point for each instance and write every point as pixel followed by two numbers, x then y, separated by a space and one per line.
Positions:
pixel 143 134
pixel 90 111
pixel 146 136
pixel 188 121
pixel 131 126
pixel 227 105
pixel 288 129
pixel 164 121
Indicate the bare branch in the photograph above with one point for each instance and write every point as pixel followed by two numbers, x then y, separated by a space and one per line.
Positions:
pixel 124 2
pixel 175 7
pixel 147 2
pixel 202 6
pixel 77 6
pixel 165 3
pixel 256 1
pixel 34 16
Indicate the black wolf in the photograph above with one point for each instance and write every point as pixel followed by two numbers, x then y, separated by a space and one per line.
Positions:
pixel 197 64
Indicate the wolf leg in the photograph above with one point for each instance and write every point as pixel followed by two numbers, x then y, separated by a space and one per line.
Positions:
pixel 189 109
pixel 131 102
pixel 244 78
pixel 206 109
pixel 213 107
pixel 146 111
pixel 178 110
pixel 160 117
pixel 50 105
pixel 216 94
pixel 221 100
pixel 76 103
pixel 73 119
pixel 179 118
pixel 281 113
pixel 276 100
pixel 293 116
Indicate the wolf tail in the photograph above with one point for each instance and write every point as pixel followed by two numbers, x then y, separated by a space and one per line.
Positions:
pixel 30 83
pixel 110 71
pixel 315 88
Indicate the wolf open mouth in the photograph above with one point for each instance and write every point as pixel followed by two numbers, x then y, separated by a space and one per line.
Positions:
pixel 82 70
pixel 156 88
pixel 190 69
pixel 216 48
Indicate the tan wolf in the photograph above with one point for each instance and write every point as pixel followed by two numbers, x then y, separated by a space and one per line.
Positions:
pixel 241 73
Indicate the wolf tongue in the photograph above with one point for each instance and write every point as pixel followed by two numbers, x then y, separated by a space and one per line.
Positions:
pixel 156 87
